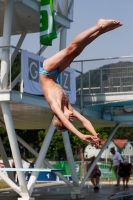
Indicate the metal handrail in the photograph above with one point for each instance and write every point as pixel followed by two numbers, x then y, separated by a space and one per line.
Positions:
pixel 109 58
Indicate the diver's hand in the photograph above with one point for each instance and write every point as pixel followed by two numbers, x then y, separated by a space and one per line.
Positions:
pixel 92 139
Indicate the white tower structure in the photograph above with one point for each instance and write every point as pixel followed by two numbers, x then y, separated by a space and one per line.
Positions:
pixel 24 111
pixel 22 17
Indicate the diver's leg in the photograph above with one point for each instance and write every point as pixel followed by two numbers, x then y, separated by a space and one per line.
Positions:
pixel 62 59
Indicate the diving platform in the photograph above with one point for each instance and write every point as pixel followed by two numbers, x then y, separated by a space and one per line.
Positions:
pixel 33 112
pixel 26 16
pixel 101 104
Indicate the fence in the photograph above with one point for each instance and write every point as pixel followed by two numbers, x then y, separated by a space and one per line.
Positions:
pixel 79 166
pixel 14 73
pixel 104 75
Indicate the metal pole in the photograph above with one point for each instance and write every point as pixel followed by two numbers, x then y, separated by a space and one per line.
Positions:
pixel 101 79
pixel 44 161
pixel 63 36
pixel 6 42
pixel 18 46
pixel 89 82
pixel 81 84
pixel 70 158
pixel 41 157
pixel 10 182
pixel 121 85
pixel 99 155
pixel 15 81
pixel 63 33
pixel 14 146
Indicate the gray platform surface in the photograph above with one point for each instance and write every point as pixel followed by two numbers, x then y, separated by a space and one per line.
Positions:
pixel 51 191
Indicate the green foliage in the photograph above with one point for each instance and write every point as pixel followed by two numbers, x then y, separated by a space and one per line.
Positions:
pixel 103 132
pixel 76 142
pixel 15 70
pixel 122 133
pixel 56 149
pixel 30 136
pixel 5 140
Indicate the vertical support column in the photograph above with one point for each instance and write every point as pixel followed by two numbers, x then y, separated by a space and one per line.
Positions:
pixel 101 81
pixel 63 36
pixel 63 33
pixel 99 155
pixel 66 140
pixel 70 158
pixel 41 157
pixel 81 94
pixel 14 146
pixel 6 42
pixel 89 82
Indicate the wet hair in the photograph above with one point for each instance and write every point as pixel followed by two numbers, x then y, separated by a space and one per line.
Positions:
pixel 58 124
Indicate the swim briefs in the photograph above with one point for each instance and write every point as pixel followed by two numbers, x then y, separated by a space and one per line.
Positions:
pixel 43 71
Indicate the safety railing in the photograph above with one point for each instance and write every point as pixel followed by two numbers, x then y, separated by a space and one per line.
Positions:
pixel 104 75
pixel 10 77
pixel 95 76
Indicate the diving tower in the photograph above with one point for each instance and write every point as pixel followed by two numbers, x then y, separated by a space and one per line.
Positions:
pixel 21 110
pixel 108 89
pixel 22 17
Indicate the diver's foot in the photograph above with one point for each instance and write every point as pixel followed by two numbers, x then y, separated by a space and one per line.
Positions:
pixel 108 24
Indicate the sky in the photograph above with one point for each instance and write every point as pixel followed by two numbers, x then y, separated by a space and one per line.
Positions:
pixel 86 13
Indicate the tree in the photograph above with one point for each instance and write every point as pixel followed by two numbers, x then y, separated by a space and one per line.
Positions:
pixel 56 147
pixel 103 132
pixel 15 70
pixel 5 141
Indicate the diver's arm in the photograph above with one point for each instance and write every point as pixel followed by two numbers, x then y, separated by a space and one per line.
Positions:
pixel 86 123
pixel 88 138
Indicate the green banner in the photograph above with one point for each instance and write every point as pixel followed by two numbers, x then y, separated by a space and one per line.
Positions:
pixel 47 24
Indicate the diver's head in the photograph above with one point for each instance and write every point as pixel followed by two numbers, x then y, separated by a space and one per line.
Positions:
pixel 58 124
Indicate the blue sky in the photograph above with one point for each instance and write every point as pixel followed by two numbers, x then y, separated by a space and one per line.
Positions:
pixel 118 42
